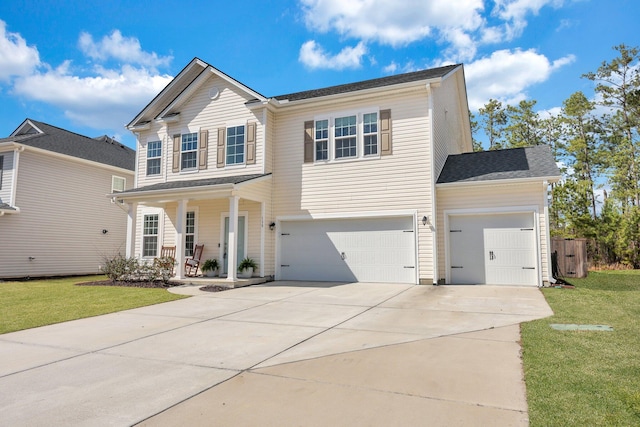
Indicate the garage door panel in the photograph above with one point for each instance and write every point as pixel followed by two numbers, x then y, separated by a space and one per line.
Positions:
pixel 366 250
pixel 493 249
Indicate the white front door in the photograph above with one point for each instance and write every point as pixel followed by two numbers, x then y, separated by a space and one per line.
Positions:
pixel 242 222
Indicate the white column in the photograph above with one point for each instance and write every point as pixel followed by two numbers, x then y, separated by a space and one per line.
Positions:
pixel 131 230
pixel 180 228
pixel 232 249
pixel 262 237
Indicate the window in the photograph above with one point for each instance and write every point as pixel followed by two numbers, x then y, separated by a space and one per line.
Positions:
pixel 370 133
pixel 189 151
pixel 322 140
pixel 150 236
pixel 154 154
pixel 235 145
pixel 117 184
pixel 190 233
pixel 345 137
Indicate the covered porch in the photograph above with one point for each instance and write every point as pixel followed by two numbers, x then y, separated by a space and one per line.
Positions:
pixel 230 216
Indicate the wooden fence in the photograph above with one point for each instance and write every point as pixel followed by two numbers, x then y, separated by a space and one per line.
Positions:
pixel 569 257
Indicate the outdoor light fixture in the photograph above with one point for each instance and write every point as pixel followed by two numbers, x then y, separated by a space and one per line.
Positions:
pixel 272 226
pixel 425 220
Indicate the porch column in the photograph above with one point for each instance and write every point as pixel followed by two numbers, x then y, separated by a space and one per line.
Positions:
pixel 180 225
pixel 232 249
pixel 131 230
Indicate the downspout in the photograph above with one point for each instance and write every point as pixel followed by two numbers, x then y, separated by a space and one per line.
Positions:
pixel 434 211
pixel 545 188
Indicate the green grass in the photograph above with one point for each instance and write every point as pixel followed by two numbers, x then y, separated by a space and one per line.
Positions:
pixel 580 378
pixel 34 303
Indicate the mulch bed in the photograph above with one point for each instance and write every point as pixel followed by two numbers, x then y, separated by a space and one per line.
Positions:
pixel 214 288
pixel 158 284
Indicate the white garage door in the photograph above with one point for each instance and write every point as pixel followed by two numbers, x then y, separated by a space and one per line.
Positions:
pixel 497 249
pixel 362 250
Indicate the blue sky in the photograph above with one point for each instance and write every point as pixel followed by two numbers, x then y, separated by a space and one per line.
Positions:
pixel 90 66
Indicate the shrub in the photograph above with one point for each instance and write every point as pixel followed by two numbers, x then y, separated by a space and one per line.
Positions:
pixel 124 269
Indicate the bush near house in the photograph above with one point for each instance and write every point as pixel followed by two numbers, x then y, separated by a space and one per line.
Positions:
pixel 586 378
pixel 121 269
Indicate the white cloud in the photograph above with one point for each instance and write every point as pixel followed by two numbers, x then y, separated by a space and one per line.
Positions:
pixel 125 49
pixel 314 56
pixel 514 13
pixel 108 99
pixel 16 58
pixel 506 75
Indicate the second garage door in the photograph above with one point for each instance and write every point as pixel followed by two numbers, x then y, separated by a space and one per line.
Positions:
pixel 497 249
pixel 349 250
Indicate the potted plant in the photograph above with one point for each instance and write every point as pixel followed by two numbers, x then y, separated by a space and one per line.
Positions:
pixel 246 267
pixel 210 267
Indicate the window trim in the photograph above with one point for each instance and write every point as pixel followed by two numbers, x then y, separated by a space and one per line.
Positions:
pixel 113 180
pixel 1 170
pixel 244 145
pixel 360 135
pixel 145 235
pixel 154 158
pixel 194 150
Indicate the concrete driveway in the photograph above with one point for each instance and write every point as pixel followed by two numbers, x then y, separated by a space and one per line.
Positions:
pixel 285 353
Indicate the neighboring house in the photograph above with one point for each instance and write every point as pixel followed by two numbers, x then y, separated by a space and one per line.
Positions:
pixel 359 182
pixel 54 217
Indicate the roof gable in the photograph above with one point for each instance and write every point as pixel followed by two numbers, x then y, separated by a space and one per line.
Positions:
pixel 514 163
pixel 103 150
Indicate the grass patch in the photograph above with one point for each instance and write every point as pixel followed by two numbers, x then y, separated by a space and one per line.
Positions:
pixel 34 303
pixel 586 378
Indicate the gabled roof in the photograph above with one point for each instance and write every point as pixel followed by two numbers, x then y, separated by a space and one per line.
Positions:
pixel 433 73
pixel 103 150
pixel 514 163
pixel 194 73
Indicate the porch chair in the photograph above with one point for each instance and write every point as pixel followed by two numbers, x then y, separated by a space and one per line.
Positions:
pixel 191 265
pixel 167 252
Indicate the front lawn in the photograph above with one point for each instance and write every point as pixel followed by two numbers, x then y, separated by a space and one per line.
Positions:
pixel 35 303
pixel 580 378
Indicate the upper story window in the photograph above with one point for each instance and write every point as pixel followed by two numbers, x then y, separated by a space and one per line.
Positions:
pixel 235 145
pixel 322 140
pixel 117 184
pixel 358 135
pixel 154 155
pixel 189 151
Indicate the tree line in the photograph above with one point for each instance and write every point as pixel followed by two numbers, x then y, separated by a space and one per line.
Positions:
pixel 596 143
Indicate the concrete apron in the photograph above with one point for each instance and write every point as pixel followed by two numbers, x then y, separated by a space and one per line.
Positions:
pixel 285 353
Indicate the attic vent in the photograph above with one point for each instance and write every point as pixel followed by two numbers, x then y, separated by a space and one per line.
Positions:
pixel 214 93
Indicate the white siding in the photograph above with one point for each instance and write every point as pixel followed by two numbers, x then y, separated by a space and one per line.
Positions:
pixel 396 182
pixel 197 113
pixel 490 196
pixel 6 181
pixel 63 210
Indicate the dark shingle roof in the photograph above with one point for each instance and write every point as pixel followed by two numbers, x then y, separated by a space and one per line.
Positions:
pixel 196 183
pixel 369 84
pixel 102 149
pixel 528 162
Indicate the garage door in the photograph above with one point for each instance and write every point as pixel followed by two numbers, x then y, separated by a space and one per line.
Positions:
pixel 362 250
pixel 497 249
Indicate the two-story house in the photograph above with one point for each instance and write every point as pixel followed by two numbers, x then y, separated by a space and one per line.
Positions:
pixel 372 181
pixel 54 217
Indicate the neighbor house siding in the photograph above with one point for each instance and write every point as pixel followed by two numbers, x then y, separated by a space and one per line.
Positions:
pixel 492 196
pixel 399 181
pixel 6 180
pixel 63 210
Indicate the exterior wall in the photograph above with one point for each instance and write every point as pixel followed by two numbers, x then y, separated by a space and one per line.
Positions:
pixel 390 183
pixel 63 210
pixel 200 112
pixel 492 196
pixel 7 177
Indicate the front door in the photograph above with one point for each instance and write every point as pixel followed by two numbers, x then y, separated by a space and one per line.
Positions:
pixel 241 242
